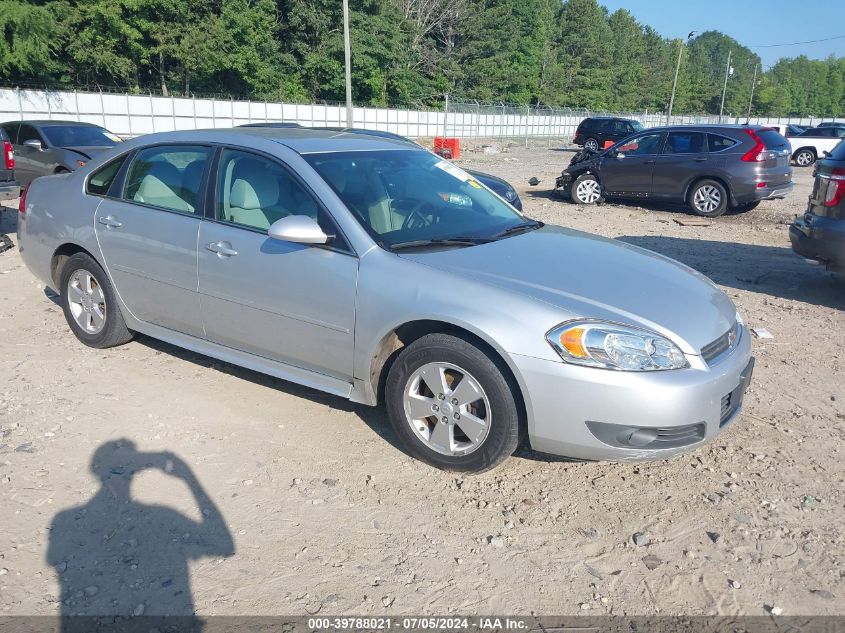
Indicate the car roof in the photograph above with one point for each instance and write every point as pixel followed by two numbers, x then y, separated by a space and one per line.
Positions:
pixel 300 139
pixel 52 122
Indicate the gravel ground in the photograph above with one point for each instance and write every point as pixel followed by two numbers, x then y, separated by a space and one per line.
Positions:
pixel 222 490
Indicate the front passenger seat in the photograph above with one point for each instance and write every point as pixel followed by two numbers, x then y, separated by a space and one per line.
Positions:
pixel 250 200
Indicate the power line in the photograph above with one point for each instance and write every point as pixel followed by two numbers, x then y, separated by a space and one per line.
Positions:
pixel 825 39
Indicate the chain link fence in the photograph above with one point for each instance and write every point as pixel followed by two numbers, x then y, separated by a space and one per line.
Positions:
pixel 471 121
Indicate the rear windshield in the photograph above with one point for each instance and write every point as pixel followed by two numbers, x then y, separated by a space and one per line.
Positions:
pixel 79 136
pixel 838 152
pixel 773 139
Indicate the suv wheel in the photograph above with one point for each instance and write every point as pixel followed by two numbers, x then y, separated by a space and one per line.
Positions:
pixel 451 405
pixel 805 158
pixel 591 144
pixel 587 190
pixel 90 304
pixel 708 198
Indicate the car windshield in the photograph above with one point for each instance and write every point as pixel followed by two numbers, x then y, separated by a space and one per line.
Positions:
pixel 638 127
pixel 405 197
pixel 79 136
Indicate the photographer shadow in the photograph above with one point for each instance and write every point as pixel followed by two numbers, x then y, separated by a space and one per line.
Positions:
pixel 117 559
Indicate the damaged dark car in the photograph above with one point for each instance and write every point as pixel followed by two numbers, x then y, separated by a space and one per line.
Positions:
pixel 712 169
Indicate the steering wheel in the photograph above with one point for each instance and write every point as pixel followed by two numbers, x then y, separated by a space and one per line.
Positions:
pixel 415 218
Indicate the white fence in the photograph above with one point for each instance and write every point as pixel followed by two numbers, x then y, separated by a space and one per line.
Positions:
pixel 131 115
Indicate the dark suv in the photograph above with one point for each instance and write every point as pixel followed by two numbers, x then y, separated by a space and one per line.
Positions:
pixel 592 133
pixel 710 167
pixel 819 234
pixel 9 187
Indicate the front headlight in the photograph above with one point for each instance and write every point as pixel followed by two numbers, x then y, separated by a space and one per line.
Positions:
pixel 611 346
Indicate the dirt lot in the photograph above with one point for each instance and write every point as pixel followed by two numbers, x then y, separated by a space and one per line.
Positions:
pixel 295 502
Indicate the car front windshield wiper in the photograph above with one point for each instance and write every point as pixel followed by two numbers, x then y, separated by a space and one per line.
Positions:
pixel 519 228
pixel 443 241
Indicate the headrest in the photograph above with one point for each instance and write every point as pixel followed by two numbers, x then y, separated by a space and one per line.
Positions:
pixel 261 191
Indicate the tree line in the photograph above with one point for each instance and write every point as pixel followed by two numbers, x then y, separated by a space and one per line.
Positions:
pixel 569 53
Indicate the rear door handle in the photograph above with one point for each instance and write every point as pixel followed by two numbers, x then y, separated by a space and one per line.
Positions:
pixel 649 162
pixel 110 221
pixel 700 159
pixel 223 249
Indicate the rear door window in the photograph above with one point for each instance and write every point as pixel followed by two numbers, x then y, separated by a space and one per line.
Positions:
pixel 685 143
pixel 718 143
pixel 11 130
pixel 168 177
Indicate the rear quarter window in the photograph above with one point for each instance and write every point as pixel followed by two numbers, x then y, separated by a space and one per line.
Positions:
pixel 101 180
pixel 718 143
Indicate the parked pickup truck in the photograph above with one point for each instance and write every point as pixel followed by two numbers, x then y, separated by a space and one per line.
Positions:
pixel 811 146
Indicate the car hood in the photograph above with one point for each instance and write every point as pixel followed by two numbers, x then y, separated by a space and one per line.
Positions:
pixel 87 152
pixel 587 276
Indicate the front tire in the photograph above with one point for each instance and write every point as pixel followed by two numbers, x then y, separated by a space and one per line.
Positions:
pixel 708 198
pixel 587 190
pixel 90 304
pixel 805 157
pixel 452 405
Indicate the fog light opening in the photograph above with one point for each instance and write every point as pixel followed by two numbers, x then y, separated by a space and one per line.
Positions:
pixel 641 437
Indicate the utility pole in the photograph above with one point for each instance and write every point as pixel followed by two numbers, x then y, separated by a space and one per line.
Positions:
pixel 347 59
pixel 725 87
pixel 751 98
pixel 677 69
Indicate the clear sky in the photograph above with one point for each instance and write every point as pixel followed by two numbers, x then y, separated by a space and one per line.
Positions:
pixel 750 22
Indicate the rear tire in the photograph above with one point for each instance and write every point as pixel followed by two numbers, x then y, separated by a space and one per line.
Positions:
pixel 805 157
pixel 587 190
pixel 708 198
pixel 748 206
pixel 451 424
pixel 90 304
pixel 591 144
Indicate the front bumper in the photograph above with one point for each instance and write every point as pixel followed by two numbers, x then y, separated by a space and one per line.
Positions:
pixel 9 190
pixel 820 239
pixel 598 414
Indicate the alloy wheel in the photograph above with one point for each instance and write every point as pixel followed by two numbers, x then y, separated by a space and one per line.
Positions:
pixel 87 301
pixel 588 191
pixel 804 159
pixel 447 409
pixel 591 145
pixel 707 199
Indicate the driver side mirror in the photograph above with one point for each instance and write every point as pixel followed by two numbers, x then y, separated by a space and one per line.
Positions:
pixel 34 143
pixel 299 229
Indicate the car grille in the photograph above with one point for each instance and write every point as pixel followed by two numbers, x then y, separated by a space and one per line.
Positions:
pixel 721 344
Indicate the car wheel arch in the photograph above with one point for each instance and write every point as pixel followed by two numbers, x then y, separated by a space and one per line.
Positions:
pixel 406 333
pixel 718 179
pixel 808 148
pixel 64 253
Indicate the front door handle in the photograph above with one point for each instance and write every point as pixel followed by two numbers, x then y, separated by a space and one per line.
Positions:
pixel 110 221
pixel 649 162
pixel 223 249
pixel 700 159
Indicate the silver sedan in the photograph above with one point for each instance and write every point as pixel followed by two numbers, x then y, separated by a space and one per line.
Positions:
pixel 370 268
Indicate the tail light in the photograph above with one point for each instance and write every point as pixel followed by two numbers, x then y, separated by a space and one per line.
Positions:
pixel 22 203
pixel 8 155
pixel 835 188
